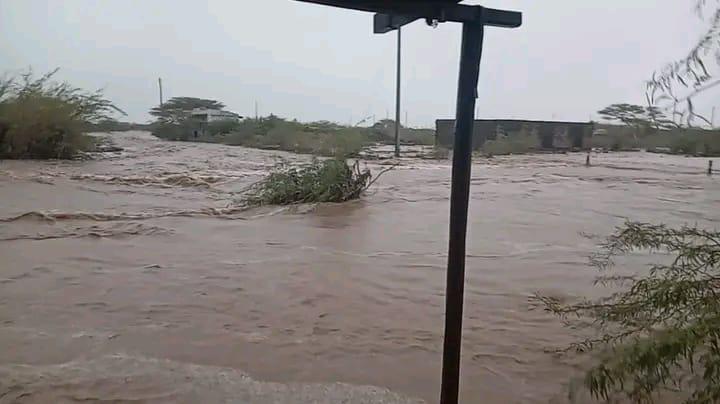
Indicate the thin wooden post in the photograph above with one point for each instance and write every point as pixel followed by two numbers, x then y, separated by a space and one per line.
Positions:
pixel 710 169
pixel 397 95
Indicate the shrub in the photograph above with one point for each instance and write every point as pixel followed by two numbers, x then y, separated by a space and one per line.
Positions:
pixel 173 131
pixel 661 330
pixel 40 127
pixel 277 133
pixel 684 144
pixel 221 127
pixel 705 143
pixel 347 142
pixel 318 138
pixel 710 144
pixel 330 180
pixel 40 118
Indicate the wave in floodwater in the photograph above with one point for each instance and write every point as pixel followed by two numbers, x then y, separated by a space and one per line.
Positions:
pixel 145 252
pixel 229 213
pixel 98 231
pixel 124 378
pixel 167 180
pixel 224 213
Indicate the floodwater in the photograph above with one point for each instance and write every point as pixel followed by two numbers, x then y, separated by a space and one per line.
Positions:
pixel 133 277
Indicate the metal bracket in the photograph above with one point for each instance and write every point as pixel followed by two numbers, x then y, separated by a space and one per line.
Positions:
pixel 383 23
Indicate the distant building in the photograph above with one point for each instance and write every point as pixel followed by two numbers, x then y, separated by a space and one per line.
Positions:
pixel 552 135
pixel 202 117
pixel 214 115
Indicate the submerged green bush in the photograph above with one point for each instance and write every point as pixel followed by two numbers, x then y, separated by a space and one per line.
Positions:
pixel 330 180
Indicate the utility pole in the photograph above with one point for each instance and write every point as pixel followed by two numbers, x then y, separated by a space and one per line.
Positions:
pixel 473 19
pixel 397 98
pixel 160 87
pixel 256 111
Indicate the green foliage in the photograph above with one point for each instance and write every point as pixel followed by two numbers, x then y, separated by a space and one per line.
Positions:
pixel 679 82
pixel 173 131
pixel 330 180
pixel 221 127
pixel 661 330
pixel 319 138
pixel 40 118
pixel 514 143
pixel 177 109
pixel 705 144
pixel 684 144
pixel 690 141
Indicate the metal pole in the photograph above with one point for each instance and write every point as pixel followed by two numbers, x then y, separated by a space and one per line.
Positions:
pixel 471 52
pixel 397 98
pixel 160 86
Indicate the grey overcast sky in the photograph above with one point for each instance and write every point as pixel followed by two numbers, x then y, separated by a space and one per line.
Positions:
pixel 569 59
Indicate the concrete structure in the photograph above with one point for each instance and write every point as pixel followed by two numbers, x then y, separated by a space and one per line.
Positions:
pixel 202 117
pixel 214 115
pixel 552 135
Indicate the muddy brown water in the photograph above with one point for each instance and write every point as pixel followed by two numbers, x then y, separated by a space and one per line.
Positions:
pixel 132 277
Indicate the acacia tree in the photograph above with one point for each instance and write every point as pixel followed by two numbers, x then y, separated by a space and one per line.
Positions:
pixel 628 114
pixel 674 86
pixel 637 117
pixel 661 331
pixel 177 109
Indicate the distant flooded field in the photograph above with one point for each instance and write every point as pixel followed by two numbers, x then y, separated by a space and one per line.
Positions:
pixel 133 277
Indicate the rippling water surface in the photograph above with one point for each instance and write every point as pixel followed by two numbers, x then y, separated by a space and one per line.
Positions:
pixel 133 277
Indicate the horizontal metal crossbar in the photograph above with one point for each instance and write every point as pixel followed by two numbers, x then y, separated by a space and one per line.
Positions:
pixel 393 14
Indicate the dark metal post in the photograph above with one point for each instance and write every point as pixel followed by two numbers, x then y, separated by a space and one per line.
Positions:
pixel 160 87
pixel 471 52
pixel 397 97
pixel 710 169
